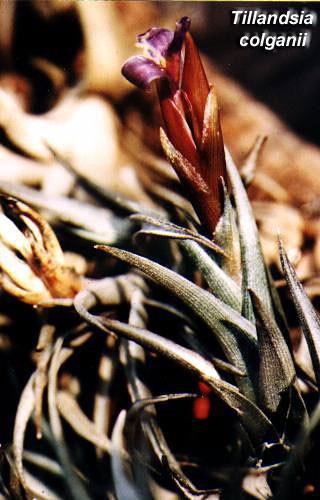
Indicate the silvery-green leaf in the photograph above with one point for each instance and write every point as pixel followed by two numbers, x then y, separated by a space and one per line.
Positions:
pixel 219 282
pixel 174 231
pixel 192 339
pixel 254 274
pixel 248 168
pixel 292 468
pixel 276 371
pixel 123 484
pixel 279 313
pixel 132 420
pixel 227 237
pixel 307 315
pixel 254 420
pixel 133 355
pixel 233 332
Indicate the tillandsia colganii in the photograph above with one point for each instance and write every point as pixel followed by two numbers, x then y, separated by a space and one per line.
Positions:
pixel 218 327
pixel 192 139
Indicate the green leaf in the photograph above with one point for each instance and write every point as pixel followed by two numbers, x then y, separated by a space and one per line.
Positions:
pixel 254 420
pixel 170 230
pixel 219 282
pixel 125 488
pixel 229 327
pixel 248 168
pixel 276 371
pixel 254 274
pixel 227 237
pixel 133 355
pixel 307 315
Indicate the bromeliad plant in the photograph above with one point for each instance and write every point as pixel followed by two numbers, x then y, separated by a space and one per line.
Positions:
pixel 235 334
pixel 222 326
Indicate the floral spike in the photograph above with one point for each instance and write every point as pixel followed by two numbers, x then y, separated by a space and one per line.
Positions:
pixel 192 140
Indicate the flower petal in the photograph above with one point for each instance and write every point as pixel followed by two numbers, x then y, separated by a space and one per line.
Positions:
pixel 142 71
pixel 155 41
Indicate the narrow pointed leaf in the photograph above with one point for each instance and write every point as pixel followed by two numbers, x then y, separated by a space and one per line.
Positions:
pixel 134 414
pixel 207 307
pixel 248 168
pixel 254 274
pixel 223 321
pixel 178 232
pixel 227 237
pixel 307 315
pixel 255 422
pixel 276 373
pixel 220 283
pixel 124 487
pixel 133 355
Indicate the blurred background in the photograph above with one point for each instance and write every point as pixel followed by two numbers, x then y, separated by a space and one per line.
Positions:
pixel 286 79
